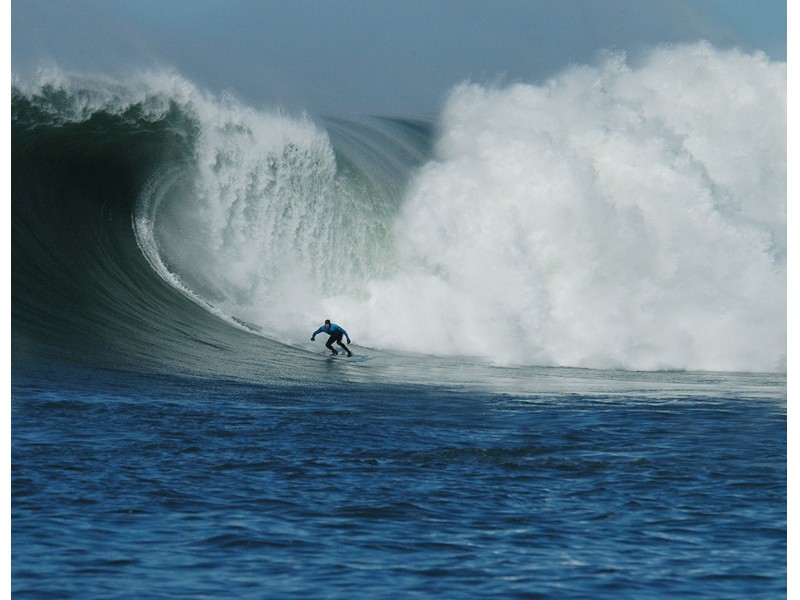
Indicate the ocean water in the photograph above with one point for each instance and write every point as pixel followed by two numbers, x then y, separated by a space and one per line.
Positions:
pixel 568 308
pixel 127 485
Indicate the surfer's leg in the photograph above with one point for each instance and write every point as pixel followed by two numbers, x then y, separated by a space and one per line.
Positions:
pixel 338 340
pixel 329 344
pixel 346 349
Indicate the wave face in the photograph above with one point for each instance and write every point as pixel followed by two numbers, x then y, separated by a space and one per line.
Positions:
pixel 615 216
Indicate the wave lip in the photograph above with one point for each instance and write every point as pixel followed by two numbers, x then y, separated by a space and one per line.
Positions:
pixel 83 150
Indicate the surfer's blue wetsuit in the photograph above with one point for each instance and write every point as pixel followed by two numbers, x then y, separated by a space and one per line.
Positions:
pixel 336 333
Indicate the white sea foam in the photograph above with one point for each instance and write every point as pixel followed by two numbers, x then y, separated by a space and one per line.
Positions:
pixel 614 216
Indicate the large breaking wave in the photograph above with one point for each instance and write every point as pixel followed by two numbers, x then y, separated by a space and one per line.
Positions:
pixel 625 216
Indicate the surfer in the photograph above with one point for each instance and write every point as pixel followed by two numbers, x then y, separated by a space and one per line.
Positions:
pixel 336 333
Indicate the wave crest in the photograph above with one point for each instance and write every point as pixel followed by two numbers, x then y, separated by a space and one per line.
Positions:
pixel 616 216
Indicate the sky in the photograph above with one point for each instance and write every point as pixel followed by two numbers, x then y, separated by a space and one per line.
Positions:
pixel 356 57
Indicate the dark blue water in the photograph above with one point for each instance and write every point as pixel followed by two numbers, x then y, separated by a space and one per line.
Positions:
pixel 155 486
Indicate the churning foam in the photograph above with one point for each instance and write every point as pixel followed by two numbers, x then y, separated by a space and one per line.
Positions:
pixel 612 217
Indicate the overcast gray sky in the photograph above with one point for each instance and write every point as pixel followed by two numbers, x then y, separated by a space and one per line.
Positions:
pixel 349 57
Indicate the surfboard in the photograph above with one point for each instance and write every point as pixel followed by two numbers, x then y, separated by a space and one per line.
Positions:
pixel 354 358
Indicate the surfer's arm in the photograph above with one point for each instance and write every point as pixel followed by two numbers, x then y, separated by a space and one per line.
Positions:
pixel 313 335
